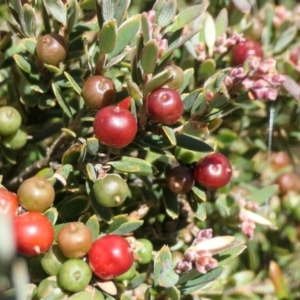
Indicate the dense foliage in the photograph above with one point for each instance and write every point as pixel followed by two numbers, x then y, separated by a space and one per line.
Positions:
pixel 149 149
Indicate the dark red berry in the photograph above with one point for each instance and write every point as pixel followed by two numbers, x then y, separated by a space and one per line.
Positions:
pixel 98 92
pixel 288 182
pixel 180 180
pixel 213 171
pixel 165 106
pixel 115 126
pixel 242 51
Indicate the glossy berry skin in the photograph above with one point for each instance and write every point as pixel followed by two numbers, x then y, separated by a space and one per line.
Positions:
pixel 110 256
pixel 36 194
pixel 10 120
pixel 125 103
pixel 213 171
pixel 165 106
pixel 242 51
pixel 98 92
pixel 115 126
pixel 9 203
pixel 51 49
pixel 34 233
pixel 180 180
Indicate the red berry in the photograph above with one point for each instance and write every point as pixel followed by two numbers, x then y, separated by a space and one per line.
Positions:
pixel 125 103
pixel 213 171
pixel 288 182
pixel 34 233
pixel 9 203
pixel 242 51
pixel 110 256
pixel 165 106
pixel 115 126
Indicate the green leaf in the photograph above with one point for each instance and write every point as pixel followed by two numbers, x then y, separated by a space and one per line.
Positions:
pixel 191 143
pixel 135 93
pixel 73 83
pixel 61 100
pixel 24 64
pixel 137 281
pixel 73 11
pixel 108 9
pixel 243 5
pixel 149 56
pixel 73 206
pixel 164 274
pixel 188 75
pixel 128 227
pixel 221 22
pixel 52 215
pixel 169 132
pixel 146 30
pixel 57 9
pixel 133 165
pixel 117 221
pixel 93 224
pixel 264 194
pixel 210 33
pixel 173 293
pixel 199 210
pixel 186 16
pixel 127 31
pixel 28 22
pixel 108 36
pixel 285 39
pixel 207 68
pixel 171 203
pixel 230 253
pixel 157 142
pixel 189 100
pixel 121 10
pixel 193 281
pixel 157 81
pixel 29 44
pixel 166 13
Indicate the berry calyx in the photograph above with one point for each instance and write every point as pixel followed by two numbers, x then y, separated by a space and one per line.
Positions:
pixel 110 256
pixel 165 106
pixel 51 49
pixel 213 171
pixel 115 126
pixel 180 180
pixel 98 92
pixel 244 50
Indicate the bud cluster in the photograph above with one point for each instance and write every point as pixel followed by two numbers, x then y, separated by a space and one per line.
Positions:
pixel 247 224
pixel 262 81
pixel 202 260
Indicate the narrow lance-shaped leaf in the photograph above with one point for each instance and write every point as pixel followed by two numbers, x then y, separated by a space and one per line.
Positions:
pixel 186 16
pixel 121 10
pixel 146 31
pixel 171 203
pixel 57 9
pixel 126 33
pixel 61 100
pixel 73 11
pixel 24 64
pixel 210 33
pixel 28 22
pixel 133 165
pixel 149 57
pixel 221 22
pixel 285 39
pixel 108 36
pixel 166 13
pixel 74 84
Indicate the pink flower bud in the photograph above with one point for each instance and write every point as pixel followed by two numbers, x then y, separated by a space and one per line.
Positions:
pixel 266 66
pixel 247 83
pixel 151 16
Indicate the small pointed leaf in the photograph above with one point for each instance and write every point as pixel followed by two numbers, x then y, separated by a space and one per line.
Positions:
pixel 28 22
pixel 93 225
pixel 52 215
pixel 164 274
pixel 133 165
pixel 24 64
pixel 108 36
pixel 149 57
pixel 186 16
pixel 57 9
pixel 61 100
pixel 73 83
pixel 171 203
pixel 191 143
pixel 169 132
pixel 126 33
pixel 29 44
